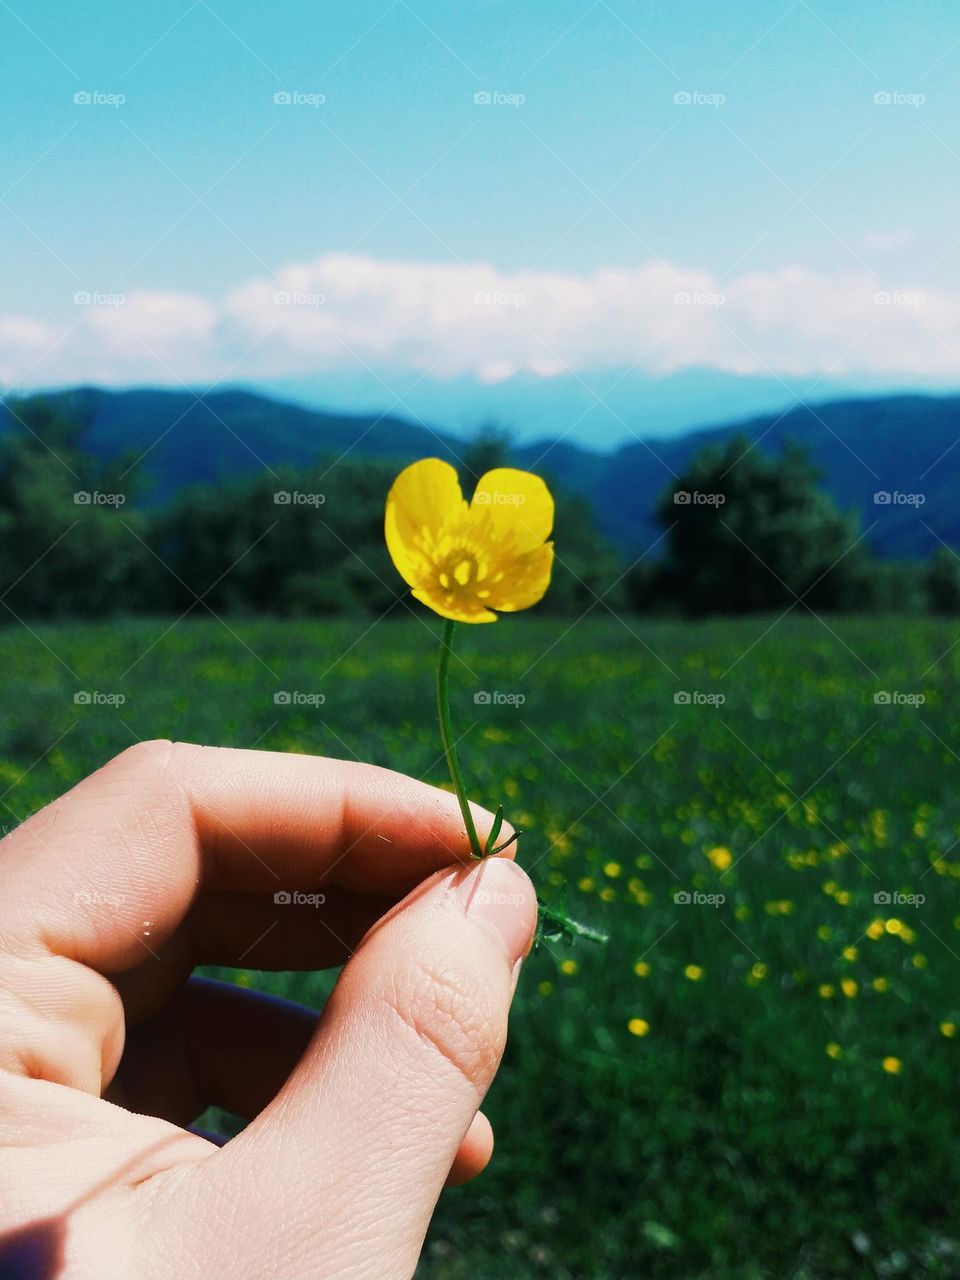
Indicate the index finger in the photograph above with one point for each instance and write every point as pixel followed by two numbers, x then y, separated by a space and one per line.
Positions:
pixel 163 821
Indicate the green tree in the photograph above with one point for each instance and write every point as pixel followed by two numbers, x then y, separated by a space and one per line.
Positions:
pixel 749 531
pixel 942 582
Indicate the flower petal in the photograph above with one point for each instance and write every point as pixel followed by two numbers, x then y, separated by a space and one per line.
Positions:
pixel 459 610
pixel 517 504
pixel 424 498
pixel 519 581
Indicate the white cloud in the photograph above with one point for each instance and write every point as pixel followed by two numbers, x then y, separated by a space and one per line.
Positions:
pixel 887 241
pixel 350 311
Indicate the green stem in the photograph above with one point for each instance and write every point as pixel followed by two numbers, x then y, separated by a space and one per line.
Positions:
pixel 446 736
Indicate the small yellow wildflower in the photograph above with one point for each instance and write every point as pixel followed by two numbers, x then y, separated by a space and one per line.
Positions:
pixel 833 1050
pixel 545 988
pixel 875 929
pixel 948 1029
pixel 919 961
pixel 641 969
pixel 612 869
pixel 849 987
pixel 465 560
pixel 881 984
pixel 850 953
pixel 759 971
pixel 720 857
pixel 826 991
pixel 892 1066
pixel 694 972
pixel 824 933
pixel 638 1026
pixel 568 966
pixel 894 926
pixel 585 885
pixel 607 894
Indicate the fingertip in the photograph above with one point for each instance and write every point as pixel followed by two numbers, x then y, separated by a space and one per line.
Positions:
pixel 475 1152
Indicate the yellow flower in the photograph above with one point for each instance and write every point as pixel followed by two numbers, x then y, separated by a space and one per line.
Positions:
pixel 919 961
pixel 638 1026
pixel 875 929
pixel 849 987
pixel 465 560
pixel 641 969
pixel 693 972
pixel 833 1050
pixel 881 984
pixel 825 990
pixel 894 926
pixel 850 953
pixel 611 869
pixel 568 966
pixel 893 1066
pixel 545 988
pixel 720 857
pixel 948 1029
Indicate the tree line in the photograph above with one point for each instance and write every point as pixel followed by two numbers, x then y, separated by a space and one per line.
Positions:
pixel 744 532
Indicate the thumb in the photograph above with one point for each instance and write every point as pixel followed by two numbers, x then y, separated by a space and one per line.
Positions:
pixel 355 1149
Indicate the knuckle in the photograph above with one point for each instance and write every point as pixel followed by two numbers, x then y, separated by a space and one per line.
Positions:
pixel 454 1015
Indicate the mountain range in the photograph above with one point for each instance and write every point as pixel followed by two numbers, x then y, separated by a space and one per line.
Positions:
pixel 904 446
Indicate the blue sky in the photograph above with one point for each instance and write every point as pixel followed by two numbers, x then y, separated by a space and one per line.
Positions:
pixel 784 198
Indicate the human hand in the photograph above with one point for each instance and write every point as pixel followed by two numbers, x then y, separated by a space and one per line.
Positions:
pixel 170 857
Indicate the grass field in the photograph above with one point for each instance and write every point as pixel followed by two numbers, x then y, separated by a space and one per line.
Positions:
pixel 759 1081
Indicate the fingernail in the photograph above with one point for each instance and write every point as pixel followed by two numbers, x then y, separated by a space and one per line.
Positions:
pixel 500 896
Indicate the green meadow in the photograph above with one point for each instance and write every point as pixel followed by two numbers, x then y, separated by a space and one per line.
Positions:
pixel 759 1074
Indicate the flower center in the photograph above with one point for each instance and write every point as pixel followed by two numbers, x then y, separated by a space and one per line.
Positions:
pixel 459 571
